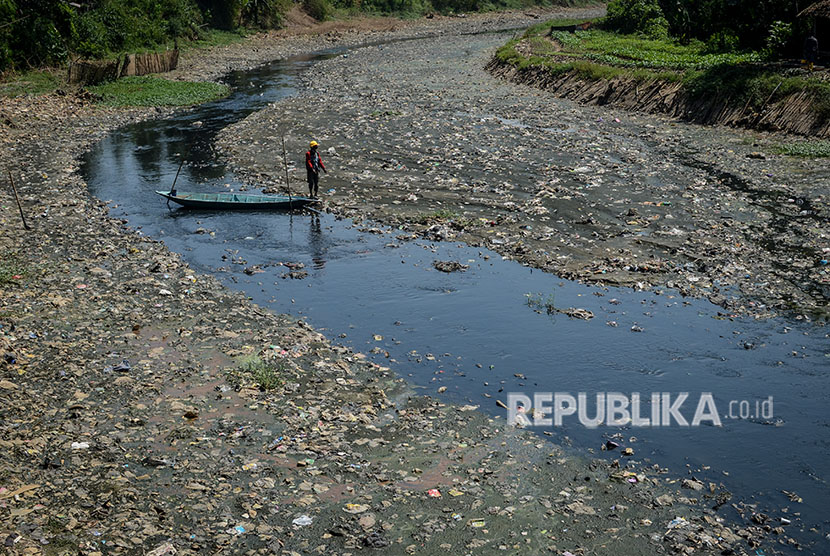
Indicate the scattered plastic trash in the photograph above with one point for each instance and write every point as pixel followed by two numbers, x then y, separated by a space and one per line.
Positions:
pixel 356 508
pixel 302 521
pixel 434 493
pixel 163 549
pixel 122 367
pixel 678 522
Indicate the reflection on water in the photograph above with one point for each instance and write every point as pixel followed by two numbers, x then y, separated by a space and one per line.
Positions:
pixel 474 331
pixel 316 243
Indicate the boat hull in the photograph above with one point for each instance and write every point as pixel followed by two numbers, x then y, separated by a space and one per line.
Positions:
pixel 236 201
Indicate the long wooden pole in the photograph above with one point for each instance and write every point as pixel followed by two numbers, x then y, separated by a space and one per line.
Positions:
pixel 285 163
pixel 173 187
pixel 19 206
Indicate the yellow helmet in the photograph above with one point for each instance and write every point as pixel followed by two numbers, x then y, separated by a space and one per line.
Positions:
pixel 313 144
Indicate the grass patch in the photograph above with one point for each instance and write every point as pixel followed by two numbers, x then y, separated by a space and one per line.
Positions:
pixel 634 51
pixel 267 375
pixel 152 91
pixel 604 48
pixel 36 82
pixel 805 149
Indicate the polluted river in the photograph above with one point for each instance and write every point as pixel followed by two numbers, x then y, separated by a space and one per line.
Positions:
pixel 493 326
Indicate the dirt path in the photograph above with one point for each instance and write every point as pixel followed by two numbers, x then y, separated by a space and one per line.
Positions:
pixel 128 427
pixel 419 135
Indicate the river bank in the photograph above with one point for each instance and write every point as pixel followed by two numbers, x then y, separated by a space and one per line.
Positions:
pixel 129 427
pixel 689 82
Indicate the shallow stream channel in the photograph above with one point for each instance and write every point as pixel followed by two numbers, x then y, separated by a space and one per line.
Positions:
pixel 475 336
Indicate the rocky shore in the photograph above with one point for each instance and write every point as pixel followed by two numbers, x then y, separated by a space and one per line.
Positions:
pixel 132 425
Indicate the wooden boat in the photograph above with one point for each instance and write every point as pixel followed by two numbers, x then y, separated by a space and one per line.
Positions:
pixel 235 201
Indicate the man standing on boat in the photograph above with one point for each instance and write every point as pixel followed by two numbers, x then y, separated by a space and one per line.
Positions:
pixel 313 165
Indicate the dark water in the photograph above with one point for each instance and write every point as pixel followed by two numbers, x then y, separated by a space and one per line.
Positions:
pixel 474 331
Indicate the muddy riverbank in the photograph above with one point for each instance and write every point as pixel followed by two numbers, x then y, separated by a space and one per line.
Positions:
pixel 419 135
pixel 128 426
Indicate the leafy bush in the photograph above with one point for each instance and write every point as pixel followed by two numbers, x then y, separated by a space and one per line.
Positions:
pixel 265 374
pixel 222 14
pixel 264 14
pixel 637 16
pixel 722 41
pixel 318 9
pixel 779 37
pixel 748 20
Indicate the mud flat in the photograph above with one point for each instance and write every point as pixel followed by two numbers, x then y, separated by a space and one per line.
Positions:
pixel 419 135
pixel 129 425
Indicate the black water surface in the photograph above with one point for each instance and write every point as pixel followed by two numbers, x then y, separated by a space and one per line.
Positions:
pixel 474 331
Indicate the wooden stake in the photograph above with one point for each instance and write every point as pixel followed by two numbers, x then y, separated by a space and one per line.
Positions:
pixel 173 187
pixel 19 206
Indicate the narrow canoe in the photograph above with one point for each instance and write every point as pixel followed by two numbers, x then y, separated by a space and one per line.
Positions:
pixel 237 201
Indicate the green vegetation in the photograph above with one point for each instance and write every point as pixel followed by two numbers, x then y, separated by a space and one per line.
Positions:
pixel 706 69
pixel 11 268
pixel 34 82
pixel 214 37
pixel 757 85
pixel 152 91
pixel 639 16
pixel 637 51
pixel 724 25
pixel 48 32
pixel 266 375
pixel 44 33
pixel 805 149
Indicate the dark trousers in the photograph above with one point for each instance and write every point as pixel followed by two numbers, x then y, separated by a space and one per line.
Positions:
pixel 313 182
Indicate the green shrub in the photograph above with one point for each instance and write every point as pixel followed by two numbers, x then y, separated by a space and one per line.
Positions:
pixel 637 16
pixel 722 41
pixel 264 14
pixel 222 14
pixel 114 27
pixel 318 9
pixel 266 374
pixel 779 37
